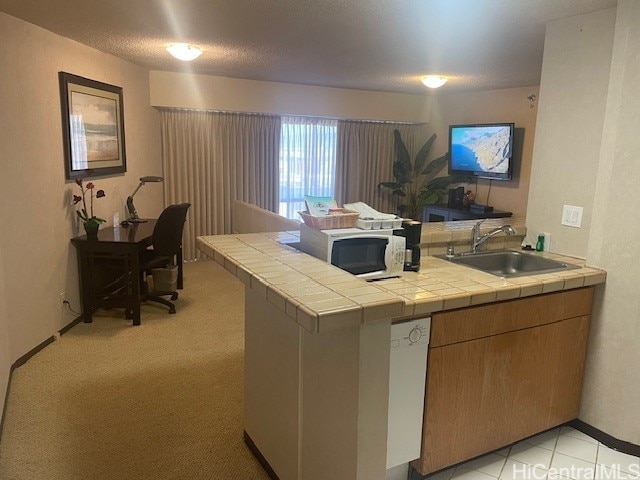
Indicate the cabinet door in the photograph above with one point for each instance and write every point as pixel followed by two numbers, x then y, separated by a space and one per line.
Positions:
pixel 467 401
pixel 568 342
pixel 547 367
pixel 462 215
pixel 531 362
pixel 486 393
pixel 432 213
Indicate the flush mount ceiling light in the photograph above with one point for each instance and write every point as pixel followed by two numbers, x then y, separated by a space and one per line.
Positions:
pixel 434 81
pixel 184 52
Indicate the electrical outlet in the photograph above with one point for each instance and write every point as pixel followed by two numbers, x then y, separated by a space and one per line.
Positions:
pixel 571 216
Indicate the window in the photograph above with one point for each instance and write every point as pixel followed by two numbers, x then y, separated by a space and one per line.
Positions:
pixel 307 161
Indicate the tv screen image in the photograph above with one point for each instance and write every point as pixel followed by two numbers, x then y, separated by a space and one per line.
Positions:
pixel 481 150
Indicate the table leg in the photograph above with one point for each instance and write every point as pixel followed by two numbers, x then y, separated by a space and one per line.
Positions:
pixel 86 290
pixel 179 255
pixel 137 287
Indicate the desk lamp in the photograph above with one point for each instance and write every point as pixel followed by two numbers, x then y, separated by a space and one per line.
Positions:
pixel 133 215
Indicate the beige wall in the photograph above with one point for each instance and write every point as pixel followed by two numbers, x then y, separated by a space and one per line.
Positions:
pixel 5 360
pixel 38 260
pixel 586 153
pixel 612 380
pixel 508 105
pixel 573 92
pixel 183 90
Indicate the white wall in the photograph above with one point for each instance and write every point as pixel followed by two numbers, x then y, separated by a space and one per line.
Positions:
pixel 566 152
pixel 507 105
pixel 208 92
pixel 37 220
pixel 612 379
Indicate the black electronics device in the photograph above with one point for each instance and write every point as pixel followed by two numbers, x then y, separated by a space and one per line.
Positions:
pixel 456 195
pixel 411 231
pixel 482 150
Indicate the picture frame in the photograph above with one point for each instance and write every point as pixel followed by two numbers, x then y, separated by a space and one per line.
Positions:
pixel 92 127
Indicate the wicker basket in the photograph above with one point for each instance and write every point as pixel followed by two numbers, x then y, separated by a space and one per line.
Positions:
pixel 346 219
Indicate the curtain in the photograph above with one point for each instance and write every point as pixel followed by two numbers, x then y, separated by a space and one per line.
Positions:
pixel 365 158
pixel 211 159
pixel 307 161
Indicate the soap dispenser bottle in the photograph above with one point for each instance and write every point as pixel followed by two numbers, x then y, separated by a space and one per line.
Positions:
pixel 540 244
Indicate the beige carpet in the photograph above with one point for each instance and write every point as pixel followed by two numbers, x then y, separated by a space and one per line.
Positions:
pixel 158 401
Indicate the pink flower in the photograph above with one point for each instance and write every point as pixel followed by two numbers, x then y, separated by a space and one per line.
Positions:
pixel 90 186
pixel 76 199
pixel 99 193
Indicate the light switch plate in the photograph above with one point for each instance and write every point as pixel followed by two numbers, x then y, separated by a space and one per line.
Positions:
pixel 571 216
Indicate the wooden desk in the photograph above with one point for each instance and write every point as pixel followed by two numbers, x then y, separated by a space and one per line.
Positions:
pixel 109 268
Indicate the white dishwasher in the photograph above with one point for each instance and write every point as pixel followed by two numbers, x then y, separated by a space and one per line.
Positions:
pixel 407 377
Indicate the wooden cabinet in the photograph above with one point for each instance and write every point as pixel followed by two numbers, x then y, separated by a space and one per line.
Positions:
pixel 502 372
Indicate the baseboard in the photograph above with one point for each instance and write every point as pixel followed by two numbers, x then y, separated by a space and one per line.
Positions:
pixel 75 322
pixel 256 453
pixel 611 442
pixel 6 402
pixel 24 358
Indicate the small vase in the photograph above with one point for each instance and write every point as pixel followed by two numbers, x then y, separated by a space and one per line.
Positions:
pixel 91 227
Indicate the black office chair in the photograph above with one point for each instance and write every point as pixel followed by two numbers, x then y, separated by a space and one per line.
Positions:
pixel 167 245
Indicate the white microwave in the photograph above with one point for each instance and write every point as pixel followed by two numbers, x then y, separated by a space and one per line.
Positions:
pixel 368 254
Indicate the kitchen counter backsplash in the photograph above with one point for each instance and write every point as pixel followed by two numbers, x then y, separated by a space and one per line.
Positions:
pixel 322 297
pixel 437 236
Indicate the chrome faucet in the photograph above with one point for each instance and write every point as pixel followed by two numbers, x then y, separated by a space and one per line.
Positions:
pixel 477 240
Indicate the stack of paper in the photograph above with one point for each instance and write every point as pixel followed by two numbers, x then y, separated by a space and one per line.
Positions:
pixel 373 219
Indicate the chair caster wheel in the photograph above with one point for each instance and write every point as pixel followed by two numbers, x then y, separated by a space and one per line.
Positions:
pixel 174 296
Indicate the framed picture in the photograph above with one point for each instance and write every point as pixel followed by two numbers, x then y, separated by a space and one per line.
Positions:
pixel 92 127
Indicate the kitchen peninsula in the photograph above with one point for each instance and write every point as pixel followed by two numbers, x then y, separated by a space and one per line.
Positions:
pixel 317 345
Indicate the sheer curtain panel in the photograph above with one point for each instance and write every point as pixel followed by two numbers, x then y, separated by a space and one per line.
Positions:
pixel 307 162
pixel 212 158
pixel 365 158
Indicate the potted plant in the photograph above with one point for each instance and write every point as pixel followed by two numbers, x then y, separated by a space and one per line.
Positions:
pixel 90 222
pixel 416 183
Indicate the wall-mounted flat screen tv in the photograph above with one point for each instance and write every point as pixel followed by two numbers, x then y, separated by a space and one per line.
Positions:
pixel 482 150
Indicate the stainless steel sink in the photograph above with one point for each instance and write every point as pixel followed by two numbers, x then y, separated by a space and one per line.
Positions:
pixel 509 263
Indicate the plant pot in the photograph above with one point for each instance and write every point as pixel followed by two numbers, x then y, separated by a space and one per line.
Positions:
pixel 91 227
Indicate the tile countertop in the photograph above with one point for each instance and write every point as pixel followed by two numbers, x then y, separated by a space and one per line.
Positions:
pixel 322 297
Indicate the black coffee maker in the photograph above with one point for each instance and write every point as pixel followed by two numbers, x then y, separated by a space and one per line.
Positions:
pixel 411 231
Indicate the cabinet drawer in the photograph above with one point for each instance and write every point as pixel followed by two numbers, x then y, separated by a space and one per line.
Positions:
pixel 501 317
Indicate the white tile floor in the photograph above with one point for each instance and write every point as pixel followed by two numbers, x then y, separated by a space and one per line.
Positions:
pixel 560 454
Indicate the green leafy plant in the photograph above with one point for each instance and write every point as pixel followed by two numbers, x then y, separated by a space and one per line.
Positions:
pixel 416 183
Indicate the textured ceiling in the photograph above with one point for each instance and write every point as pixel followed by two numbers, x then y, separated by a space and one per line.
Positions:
pixel 382 45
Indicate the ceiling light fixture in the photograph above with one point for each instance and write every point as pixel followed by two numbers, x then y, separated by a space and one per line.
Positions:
pixel 434 81
pixel 184 51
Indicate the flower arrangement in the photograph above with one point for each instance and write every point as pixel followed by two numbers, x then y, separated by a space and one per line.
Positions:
pixel 90 221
